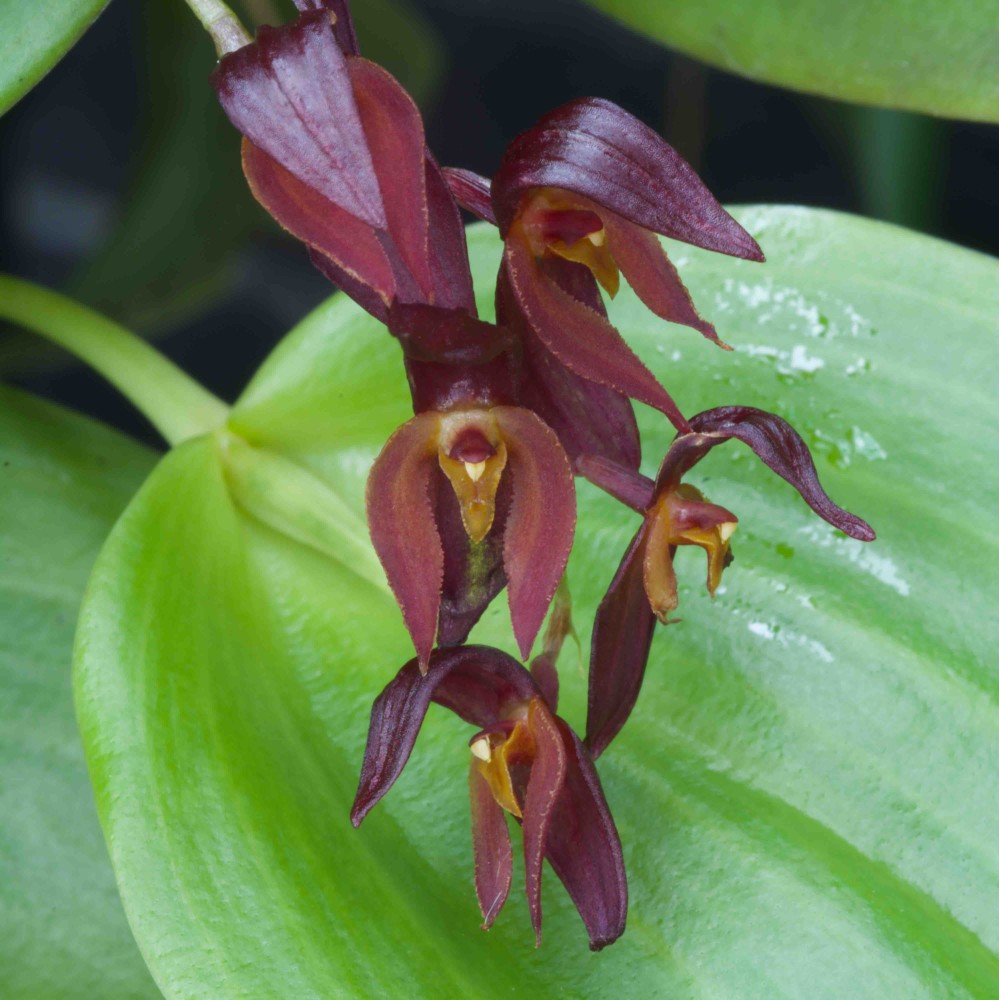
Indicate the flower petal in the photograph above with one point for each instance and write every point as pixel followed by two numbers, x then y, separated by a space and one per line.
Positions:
pixel 491 849
pixel 395 135
pixel 545 782
pixel 623 631
pixel 778 445
pixel 290 94
pixel 479 683
pixel 584 849
pixel 658 577
pixel 365 295
pixel 539 531
pixel 626 485
pixel 343 26
pixel 596 149
pixel 588 418
pixel 476 682
pixel 581 338
pixel 653 278
pixel 449 263
pixel 684 453
pixel 402 526
pixel 471 191
pixel 350 244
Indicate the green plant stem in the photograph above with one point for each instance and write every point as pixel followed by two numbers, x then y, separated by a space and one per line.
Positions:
pixel 173 402
pixel 222 24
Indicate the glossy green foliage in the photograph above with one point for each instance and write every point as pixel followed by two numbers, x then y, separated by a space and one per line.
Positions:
pixel 936 56
pixel 63 935
pixel 35 37
pixel 806 791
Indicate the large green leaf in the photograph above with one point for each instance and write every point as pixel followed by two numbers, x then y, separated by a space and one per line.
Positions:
pixel 937 56
pixel 63 934
pixel 35 37
pixel 806 792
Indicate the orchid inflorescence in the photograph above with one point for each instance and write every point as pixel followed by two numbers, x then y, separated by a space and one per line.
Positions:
pixel 476 491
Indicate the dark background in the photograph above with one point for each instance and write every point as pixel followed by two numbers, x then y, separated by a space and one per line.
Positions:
pixel 119 177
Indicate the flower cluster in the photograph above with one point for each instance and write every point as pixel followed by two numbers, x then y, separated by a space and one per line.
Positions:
pixel 476 492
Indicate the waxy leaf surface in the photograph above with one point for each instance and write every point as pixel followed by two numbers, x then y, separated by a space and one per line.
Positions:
pixel 63 934
pixel 35 37
pixel 936 56
pixel 806 790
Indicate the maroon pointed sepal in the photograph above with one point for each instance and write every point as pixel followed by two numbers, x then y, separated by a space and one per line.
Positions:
pixel 472 192
pixel 779 446
pixel 402 526
pixel 334 149
pixel 588 418
pixel 539 532
pixel 620 641
pixel 593 148
pixel 343 24
pixel 580 337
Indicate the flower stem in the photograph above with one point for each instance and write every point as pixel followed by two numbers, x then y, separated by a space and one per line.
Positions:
pixel 173 402
pixel 222 24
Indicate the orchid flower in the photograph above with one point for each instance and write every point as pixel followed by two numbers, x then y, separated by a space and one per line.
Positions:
pixel 476 491
pixel 513 487
pixel 525 762
pixel 588 186
pixel 644 588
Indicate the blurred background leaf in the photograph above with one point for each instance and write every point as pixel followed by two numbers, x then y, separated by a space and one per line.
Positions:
pixel 898 161
pixel 34 38
pixel 806 792
pixel 397 35
pixel 186 212
pixel 936 56
pixel 63 935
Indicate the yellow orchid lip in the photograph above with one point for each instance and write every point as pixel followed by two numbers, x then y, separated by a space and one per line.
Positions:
pixel 494 754
pixel 554 224
pixel 684 517
pixel 472 454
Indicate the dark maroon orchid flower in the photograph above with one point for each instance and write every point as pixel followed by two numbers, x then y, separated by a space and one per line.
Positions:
pixel 527 762
pixel 475 451
pixel 334 149
pixel 476 491
pixel 589 185
pixel 674 513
